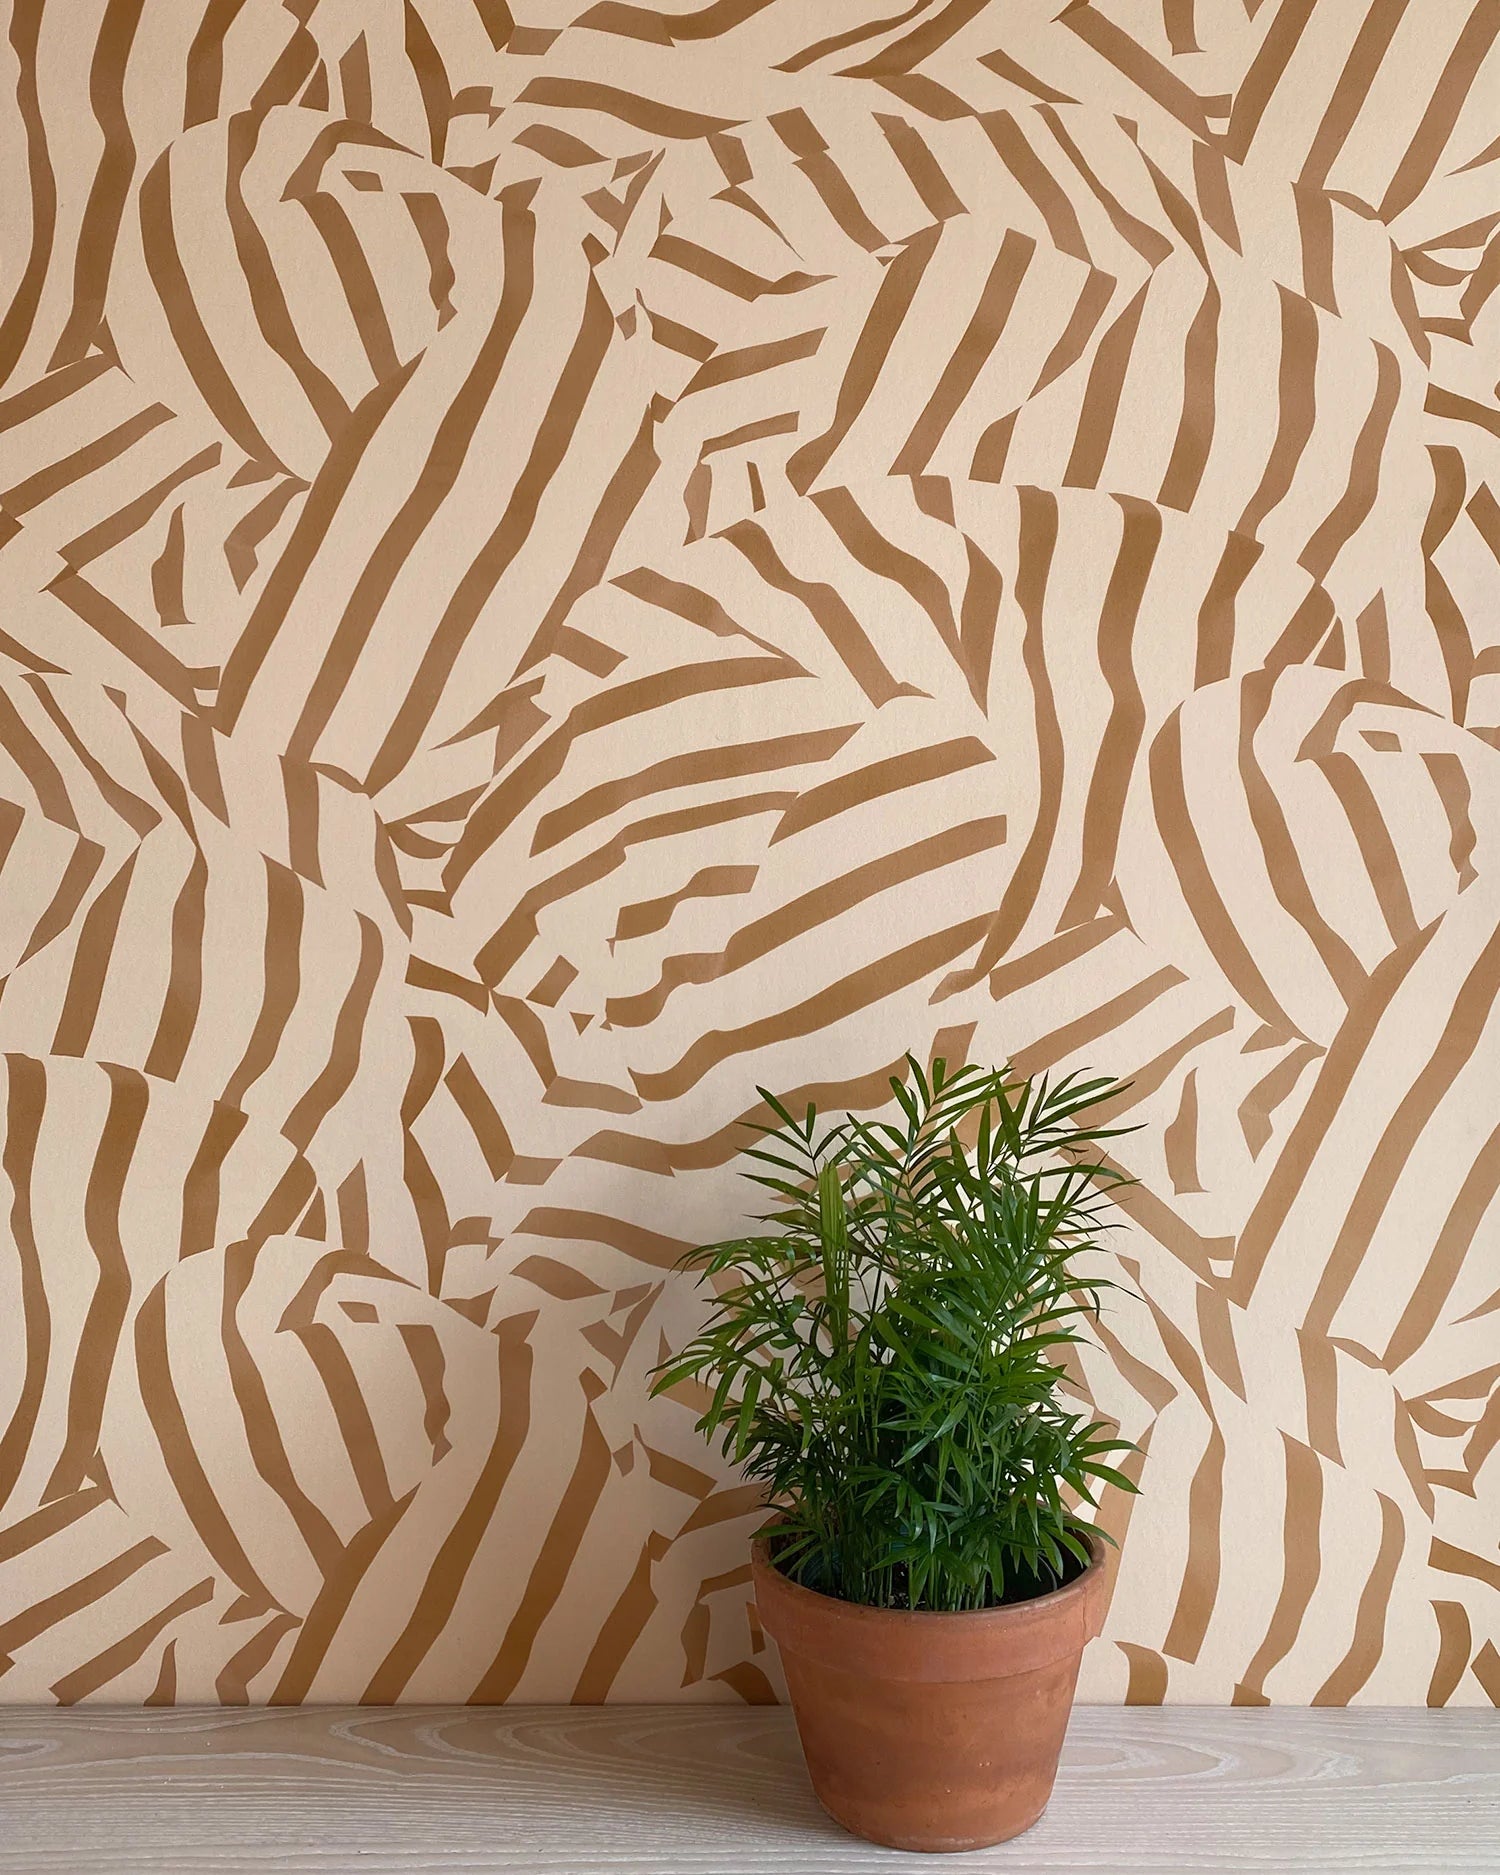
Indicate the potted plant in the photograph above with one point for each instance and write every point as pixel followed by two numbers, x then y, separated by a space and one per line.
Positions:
pixel 884 1360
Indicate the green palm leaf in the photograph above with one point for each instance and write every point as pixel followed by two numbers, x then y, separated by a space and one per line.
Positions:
pixel 884 1364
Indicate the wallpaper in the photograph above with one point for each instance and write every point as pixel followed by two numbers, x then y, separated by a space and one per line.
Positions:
pixel 563 563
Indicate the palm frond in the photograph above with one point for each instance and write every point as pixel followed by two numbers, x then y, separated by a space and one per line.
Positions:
pixel 884 1362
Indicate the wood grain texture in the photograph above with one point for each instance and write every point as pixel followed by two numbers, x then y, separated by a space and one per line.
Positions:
pixel 627 1790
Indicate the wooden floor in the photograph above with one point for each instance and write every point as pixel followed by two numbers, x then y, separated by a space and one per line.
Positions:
pixel 709 1791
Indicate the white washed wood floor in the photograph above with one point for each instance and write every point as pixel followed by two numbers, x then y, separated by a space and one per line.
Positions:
pixel 648 1790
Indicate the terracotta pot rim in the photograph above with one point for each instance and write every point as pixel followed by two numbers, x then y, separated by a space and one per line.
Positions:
pixel 811 1599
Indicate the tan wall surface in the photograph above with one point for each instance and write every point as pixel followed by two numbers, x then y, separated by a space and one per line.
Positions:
pixel 556 568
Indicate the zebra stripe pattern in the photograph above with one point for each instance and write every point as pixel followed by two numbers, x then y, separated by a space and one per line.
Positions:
pixel 562 560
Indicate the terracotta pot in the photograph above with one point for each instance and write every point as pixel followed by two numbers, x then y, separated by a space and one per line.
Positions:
pixel 931 1731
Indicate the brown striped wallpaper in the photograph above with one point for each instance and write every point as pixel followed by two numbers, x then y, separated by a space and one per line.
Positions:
pixel 561 561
